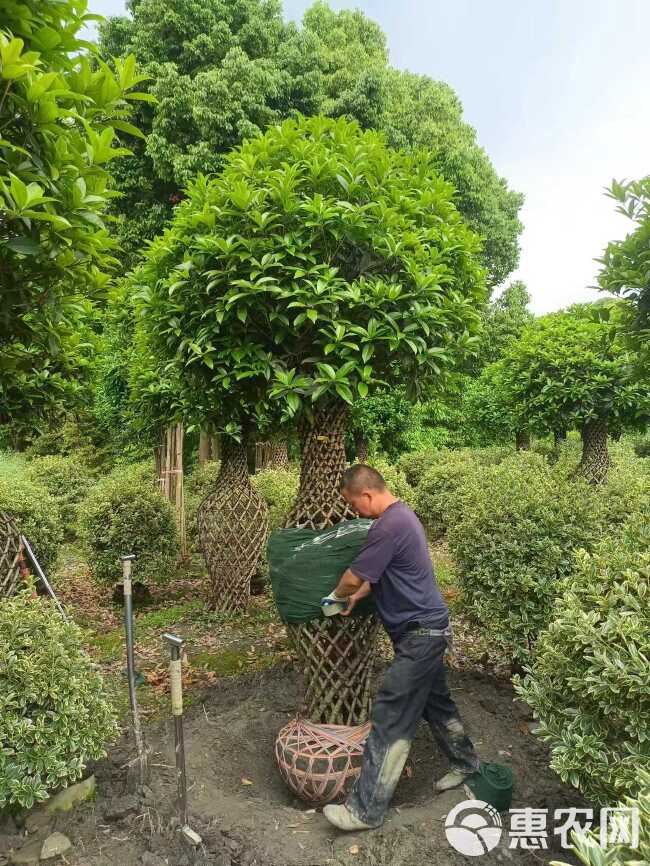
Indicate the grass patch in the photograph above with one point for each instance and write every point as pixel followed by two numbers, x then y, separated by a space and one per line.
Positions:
pixel 166 617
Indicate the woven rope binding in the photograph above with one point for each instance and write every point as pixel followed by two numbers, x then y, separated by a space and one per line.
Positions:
pixel 319 762
pixel 10 556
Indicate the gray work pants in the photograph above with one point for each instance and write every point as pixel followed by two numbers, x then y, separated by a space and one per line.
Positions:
pixel 414 687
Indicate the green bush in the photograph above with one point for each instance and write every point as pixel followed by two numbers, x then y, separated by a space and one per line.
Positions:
pixel 513 537
pixel 590 852
pixel 66 479
pixel 395 480
pixel 53 714
pixel 126 513
pixel 589 679
pixel 35 512
pixel 439 485
pixel 198 484
pixel 278 488
pixel 416 464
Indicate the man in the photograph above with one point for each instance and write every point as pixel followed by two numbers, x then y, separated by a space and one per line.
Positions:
pixel 394 565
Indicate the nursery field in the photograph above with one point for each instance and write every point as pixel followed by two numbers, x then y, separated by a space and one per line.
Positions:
pixel 261 348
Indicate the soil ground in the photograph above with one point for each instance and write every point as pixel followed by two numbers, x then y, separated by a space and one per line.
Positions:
pixel 242 686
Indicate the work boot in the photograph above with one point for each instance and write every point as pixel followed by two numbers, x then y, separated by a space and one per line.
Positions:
pixel 452 779
pixel 342 817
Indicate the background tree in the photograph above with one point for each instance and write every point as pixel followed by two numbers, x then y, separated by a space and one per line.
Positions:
pixel 504 321
pixel 223 70
pixel 320 265
pixel 421 112
pixel 626 263
pixel 572 369
pixel 59 111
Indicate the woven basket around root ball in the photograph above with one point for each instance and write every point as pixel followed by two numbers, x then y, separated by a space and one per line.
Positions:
pixel 320 762
pixel 336 657
pixel 10 556
pixel 233 525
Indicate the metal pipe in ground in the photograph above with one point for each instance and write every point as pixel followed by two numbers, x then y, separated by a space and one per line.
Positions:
pixel 142 761
pixel 176 686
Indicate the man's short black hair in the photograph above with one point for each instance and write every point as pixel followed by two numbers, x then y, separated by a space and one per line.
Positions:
pixel 361 477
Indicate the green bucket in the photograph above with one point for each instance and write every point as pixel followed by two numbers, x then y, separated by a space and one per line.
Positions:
pixel 493 783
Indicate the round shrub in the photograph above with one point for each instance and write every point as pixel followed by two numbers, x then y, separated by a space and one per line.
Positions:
pixel 439 485
pixel 36 514
pixel 589 680
pixel 513 538
pixel 395 481
pixel 198 484
pixel 53 714
pixel 66 479
pixel 126 513
pixel 278 488
pixel 416 463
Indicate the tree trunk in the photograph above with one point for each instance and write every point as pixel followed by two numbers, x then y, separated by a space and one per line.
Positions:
pixel 319 503
pixel 361 448
pixel 560 437
pixel 10 556
pixel 523 440
pixel 336 653
pixel 279 454
pixel 595 461
pixel 233 525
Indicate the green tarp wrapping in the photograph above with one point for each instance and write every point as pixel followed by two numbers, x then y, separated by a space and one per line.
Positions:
pixel 306 565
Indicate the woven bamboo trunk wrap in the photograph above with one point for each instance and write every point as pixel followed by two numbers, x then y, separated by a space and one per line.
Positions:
pixel 336 655
pixel 10 556
pixel 233 525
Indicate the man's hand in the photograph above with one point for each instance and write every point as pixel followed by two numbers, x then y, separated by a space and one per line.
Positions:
pixel 362 592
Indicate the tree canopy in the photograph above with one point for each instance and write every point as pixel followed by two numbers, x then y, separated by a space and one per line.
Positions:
pixel 626 263
pixel 319 265
pixel 59 113
pixel 224 70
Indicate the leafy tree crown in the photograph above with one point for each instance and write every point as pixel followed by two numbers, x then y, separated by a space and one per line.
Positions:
pixel 320 264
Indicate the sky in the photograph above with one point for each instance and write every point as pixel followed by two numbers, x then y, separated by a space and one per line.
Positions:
pixel 557 92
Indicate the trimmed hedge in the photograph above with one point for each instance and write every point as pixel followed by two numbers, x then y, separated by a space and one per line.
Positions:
pixel 53 714
pixel 126 513
pixel 395 481
pixel 512 539
pixel 66 479
pixel 35 512
pixel 589 680
pixel 514 531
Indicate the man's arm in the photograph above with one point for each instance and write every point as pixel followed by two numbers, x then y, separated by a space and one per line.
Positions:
pixel 349 584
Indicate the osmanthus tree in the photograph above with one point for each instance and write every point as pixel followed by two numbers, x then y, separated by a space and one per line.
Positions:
pixel 318 266
pixel 59 112
pixel 572 369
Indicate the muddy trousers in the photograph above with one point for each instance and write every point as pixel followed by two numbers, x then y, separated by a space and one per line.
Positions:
pixel 414 687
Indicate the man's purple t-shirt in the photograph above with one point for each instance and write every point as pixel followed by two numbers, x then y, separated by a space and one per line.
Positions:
pixel 395 560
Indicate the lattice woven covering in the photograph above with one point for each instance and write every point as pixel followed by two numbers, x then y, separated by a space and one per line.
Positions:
pixel 595 461
pixel 233 525
pixel 10 556
pixel 319 503
pixel 318 762
pixel 336 656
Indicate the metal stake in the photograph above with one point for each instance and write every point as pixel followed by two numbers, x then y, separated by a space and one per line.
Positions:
pixel 143 764
pixel 41 574
pixel 176 684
